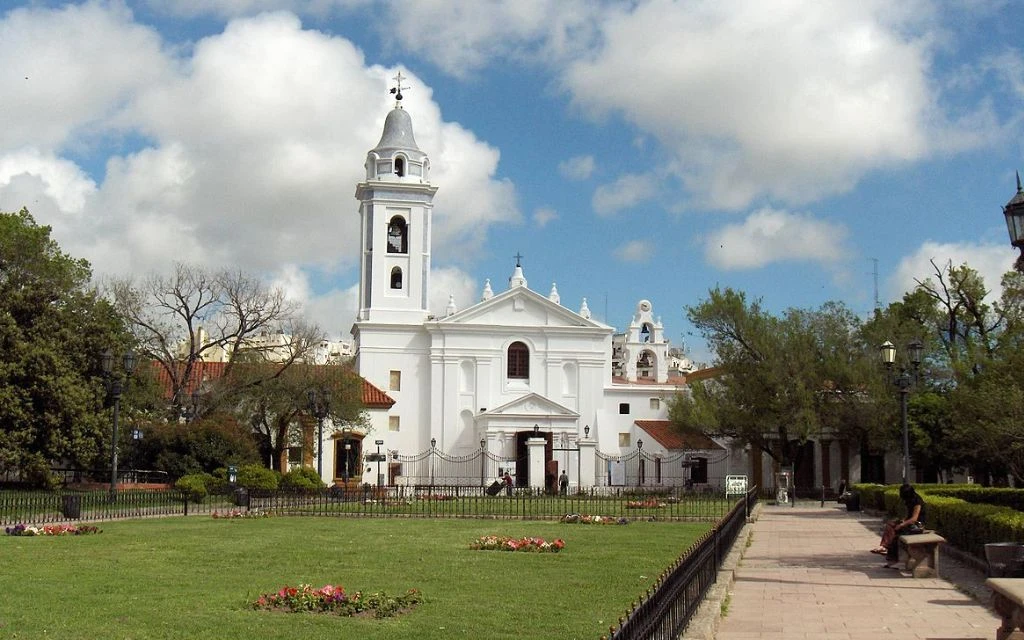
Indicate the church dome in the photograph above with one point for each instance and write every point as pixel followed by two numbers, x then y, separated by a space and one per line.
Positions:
pixel 397 133
pixel 396 157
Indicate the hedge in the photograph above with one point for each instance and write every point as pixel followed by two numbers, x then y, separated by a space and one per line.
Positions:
pixel 965 525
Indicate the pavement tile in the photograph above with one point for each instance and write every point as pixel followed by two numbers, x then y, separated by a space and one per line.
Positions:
pixel 808 574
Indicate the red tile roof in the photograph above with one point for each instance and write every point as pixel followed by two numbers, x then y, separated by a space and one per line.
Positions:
pixel 704 374
pixel 666 436
pixel 373 398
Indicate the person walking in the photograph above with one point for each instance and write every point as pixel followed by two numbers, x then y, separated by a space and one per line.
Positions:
pixel 563 484
pixel 508 484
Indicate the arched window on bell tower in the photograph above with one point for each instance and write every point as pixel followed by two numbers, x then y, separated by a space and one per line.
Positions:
pixel 398 235
pixel 399 166
pixel 396 278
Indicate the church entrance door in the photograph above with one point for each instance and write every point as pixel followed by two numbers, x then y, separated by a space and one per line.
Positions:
pixel 523 455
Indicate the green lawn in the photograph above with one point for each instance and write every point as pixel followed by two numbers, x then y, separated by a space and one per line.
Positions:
pixel 192 577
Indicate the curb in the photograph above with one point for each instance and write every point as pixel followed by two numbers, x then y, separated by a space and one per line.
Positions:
pixel 704 624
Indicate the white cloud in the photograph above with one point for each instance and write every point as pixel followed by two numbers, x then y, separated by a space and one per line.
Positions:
pixel 58 179
pixel 795 100
pixel 991 261
pixel 634 251
pixel 253 142
pixel 543 215
pixel 577 167
pixel 463 37
pixel 239 8
pixel 453 282
pixel 770 235
pixel 627 191
pixel 66 71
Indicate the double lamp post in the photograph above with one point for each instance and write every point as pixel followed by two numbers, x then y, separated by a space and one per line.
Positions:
pixel 115 385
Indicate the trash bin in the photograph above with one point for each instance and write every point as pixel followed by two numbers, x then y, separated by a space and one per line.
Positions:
pixel 242 497
pixel 1005 559
pixel 71 506
pixel 853 502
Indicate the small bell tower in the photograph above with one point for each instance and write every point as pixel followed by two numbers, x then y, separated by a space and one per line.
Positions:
pixel 395 207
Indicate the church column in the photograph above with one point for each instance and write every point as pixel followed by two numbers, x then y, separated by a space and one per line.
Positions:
pixel 844 461
pixel 757 466
pixel 536 451
pixel 588 461
pixel 826 459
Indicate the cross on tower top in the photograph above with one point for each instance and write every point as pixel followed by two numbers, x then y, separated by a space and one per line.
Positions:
pixel 518 259
pixel 397 89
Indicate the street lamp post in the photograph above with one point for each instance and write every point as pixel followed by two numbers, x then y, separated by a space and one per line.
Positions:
pixel 114 385
pixel 903 381
pixel 433 450
pixel 319 407
pixel 483 459
pixel 380 478
pixel 1014 212
pixel 640 460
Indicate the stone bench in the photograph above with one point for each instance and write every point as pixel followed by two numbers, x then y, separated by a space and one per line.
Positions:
pixel 920 552
pixel 1008 600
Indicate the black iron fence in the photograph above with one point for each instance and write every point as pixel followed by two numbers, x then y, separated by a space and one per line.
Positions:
pixel 64 477
pixel 664 612
pixel 431 501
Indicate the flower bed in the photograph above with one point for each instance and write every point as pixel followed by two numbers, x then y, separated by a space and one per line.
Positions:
pixel 575 518
pixel 51 530
pixel 238 513
pixel 644 504
pixel 507 543
pixel 333 599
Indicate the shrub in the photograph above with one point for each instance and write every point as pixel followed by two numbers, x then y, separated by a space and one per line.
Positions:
pixel 202 446
pixel 193 486
pixel 254 476
pixel 302 479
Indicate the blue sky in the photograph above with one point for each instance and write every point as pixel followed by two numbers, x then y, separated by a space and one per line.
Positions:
pixel 649 149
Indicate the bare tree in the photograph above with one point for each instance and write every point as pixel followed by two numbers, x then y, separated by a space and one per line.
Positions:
pixel 196 315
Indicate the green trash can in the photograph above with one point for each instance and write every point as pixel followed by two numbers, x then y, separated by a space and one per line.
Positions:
pixel 71 506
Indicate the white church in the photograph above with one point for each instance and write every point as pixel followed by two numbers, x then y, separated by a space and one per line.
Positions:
pixel 514 370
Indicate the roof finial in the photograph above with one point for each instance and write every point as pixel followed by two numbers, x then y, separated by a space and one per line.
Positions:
pixel 1019 190
pixel 397 90
pixel 519 257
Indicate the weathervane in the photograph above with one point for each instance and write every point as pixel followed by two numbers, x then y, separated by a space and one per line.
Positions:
pixel 397 89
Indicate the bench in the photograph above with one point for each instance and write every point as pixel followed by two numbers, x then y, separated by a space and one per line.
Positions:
pixel 921 554
pixel 1008 600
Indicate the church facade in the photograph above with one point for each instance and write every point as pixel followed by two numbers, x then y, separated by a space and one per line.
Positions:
pixel 515 365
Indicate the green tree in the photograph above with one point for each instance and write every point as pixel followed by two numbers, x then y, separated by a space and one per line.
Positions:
pixel 53 326
pixel 276 406
pixel 783 379
pixel 180 449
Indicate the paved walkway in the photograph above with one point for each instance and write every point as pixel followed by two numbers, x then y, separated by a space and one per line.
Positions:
pixel 807 574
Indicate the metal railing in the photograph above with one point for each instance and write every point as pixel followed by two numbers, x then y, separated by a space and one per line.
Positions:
pixel 664 612
pixel 429 501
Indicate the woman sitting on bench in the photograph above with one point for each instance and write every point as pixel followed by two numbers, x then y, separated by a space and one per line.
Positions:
pixel 913 523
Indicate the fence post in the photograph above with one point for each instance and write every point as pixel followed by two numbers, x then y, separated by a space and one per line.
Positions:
pixel 185 495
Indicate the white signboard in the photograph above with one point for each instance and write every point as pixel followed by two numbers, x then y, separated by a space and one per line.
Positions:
pixel 735 485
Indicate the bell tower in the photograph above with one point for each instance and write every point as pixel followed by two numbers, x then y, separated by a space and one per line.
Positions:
pixel 395 207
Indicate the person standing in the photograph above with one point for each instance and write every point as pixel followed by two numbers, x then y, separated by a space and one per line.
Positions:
pixel 563 484
pixel 508 484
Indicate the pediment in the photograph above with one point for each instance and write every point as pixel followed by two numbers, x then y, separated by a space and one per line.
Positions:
pixel 520 307
pixel 532 404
